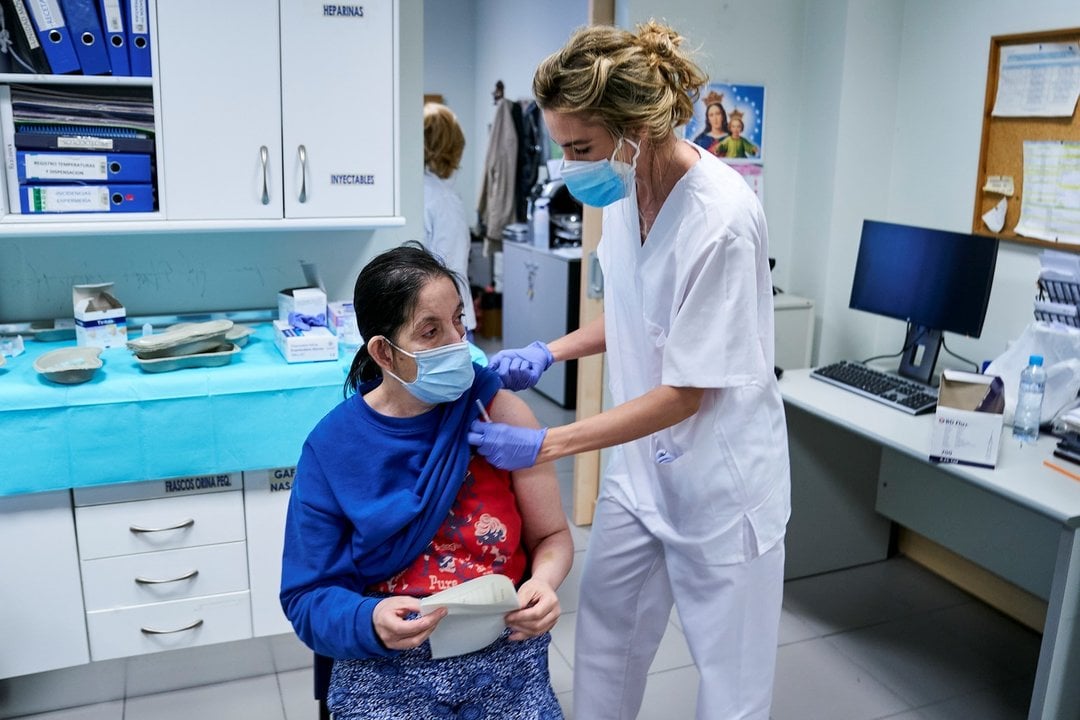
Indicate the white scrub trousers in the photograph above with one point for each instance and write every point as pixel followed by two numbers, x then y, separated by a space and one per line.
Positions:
pixel 730 615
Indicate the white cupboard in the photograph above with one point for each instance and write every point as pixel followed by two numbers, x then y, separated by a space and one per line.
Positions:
pixel 269 115
pixel 42 626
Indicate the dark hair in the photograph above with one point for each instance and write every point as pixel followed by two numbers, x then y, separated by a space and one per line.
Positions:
pixel 384 297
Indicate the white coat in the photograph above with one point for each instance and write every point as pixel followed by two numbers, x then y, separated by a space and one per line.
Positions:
pixel 446 234
pixel 695 514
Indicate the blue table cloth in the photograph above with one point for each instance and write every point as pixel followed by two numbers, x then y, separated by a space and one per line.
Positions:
pixel 127 425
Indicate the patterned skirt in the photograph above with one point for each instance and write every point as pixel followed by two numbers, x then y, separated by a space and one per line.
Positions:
pixel 504 681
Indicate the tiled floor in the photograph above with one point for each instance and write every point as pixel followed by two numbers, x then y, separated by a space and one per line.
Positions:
pixel 887 640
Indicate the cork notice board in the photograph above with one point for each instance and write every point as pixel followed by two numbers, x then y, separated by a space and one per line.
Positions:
pixel 1002 149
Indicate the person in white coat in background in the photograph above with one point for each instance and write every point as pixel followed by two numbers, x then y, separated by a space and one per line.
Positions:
pixel 695 498
pixel 446 229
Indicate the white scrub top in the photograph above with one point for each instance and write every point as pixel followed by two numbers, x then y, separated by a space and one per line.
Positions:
pixel 692 307
pixel 446 234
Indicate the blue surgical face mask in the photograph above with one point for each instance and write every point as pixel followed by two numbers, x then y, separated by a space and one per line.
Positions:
pixel 601 182
pixel 443 374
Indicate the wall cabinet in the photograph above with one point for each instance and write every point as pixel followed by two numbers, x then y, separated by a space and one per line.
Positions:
pixel 42 625
pixel 281 116
pixel 270 116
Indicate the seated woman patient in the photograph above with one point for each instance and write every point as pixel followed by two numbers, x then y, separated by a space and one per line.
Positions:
pixel 390 505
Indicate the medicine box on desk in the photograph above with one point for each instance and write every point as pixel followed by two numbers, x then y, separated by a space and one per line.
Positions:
pixel 100 319
pixel 970 413
pixel 312 345
pixel 309 301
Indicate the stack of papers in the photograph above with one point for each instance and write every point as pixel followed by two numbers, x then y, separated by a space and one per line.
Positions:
pixel 475 614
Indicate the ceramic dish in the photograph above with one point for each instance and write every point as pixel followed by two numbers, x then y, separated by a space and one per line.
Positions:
pixel 181 340
pixel 237 335
pixel 221 354
pixel 70 365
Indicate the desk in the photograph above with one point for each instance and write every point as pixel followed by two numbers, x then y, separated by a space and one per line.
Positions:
pixel 1019 520
pixel 126 424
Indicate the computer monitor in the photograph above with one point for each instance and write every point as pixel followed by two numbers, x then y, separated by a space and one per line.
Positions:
pixel 938 281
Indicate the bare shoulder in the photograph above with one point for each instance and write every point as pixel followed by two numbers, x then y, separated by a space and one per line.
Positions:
pixel 506 407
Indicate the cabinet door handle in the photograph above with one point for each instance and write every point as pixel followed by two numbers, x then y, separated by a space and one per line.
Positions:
pixel 152 631
pixel 148 581
pixel 264 157
pixel 179 526
pixel 302 152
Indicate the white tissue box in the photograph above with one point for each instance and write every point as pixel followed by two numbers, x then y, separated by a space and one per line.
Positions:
pixel 312 345
pixel 967 426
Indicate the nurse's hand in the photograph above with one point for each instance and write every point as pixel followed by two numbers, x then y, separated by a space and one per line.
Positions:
pixel 506 446
pixel 521 368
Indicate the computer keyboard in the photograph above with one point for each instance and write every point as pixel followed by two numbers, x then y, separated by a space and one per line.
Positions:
pixel 906 395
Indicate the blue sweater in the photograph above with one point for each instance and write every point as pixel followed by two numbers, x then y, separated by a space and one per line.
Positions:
pixel 369 494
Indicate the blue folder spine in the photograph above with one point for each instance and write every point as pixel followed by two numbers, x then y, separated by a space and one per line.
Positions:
pixel 113 197
pixel 112 25
pixel 88 167
pixel 85 28
pixel 137 22
pixel 54 36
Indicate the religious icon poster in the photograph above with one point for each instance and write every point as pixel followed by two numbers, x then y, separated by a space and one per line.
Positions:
pixel 729 121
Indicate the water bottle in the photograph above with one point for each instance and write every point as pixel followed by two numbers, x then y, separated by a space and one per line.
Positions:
pixel 1029 401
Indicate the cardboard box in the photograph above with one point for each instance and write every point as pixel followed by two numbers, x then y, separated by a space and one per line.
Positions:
pixel 970 415
pixel 305 301
pixel 341 318
pixel 100 319
pixel 312 345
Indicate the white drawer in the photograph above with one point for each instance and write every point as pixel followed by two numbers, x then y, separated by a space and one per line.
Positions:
pixel 168 626
pixel 162 524
pixel 126 580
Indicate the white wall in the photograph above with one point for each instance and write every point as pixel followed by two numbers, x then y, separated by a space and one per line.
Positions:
pixel 874 110
pixel 450 49
pixel 222 271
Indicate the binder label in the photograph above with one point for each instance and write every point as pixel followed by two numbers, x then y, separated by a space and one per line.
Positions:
pixel 137 15
pixel 47 14
pixel 356 11
pixel 86 198
pixel 83 142
pixel 55 166
pixel 28 28
pixel 110 13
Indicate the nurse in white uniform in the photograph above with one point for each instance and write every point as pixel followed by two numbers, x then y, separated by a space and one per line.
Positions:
pixel 446 229
pixel 696 496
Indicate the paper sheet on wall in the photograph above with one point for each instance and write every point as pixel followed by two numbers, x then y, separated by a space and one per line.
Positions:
pixel 1040 79
pixel 1050 205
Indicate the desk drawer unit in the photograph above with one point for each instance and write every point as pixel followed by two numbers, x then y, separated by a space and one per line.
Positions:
pixel 164 564
pixel 160 524
pixel 144 578
pixel 168 626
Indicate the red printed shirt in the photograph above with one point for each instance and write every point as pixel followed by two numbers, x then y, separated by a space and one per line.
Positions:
pixel 481 536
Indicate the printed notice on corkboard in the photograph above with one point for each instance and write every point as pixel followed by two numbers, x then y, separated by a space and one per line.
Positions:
pixel 1028 184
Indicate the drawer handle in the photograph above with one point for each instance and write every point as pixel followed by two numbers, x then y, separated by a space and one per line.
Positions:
pixel 152 631
pixel 148 581
pixel 180 526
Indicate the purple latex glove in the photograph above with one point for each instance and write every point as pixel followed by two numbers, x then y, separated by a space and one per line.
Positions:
pixel 506 446
pixel 521 368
